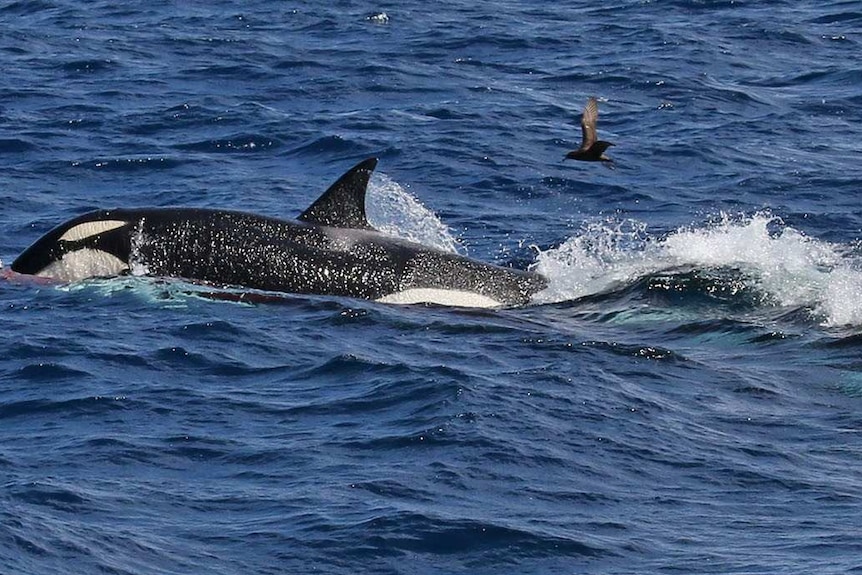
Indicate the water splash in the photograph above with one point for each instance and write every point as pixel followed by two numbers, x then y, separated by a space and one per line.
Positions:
pixel 603 256
pixel 136 266
pixel 394 211
pixel 787 267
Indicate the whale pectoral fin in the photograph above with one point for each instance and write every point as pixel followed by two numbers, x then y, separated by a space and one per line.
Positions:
pixel 343 204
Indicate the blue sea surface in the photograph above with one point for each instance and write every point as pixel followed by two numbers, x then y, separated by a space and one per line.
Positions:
pixel 685 397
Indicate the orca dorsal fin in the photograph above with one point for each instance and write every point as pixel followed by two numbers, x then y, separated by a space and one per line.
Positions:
pixel 343 204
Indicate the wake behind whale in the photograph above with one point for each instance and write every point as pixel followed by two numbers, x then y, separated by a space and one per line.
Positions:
pixel 749 263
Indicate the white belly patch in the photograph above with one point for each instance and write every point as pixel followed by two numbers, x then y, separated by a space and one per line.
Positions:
pixel 452 298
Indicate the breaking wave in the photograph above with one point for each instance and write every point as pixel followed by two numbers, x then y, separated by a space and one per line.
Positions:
pixel 783 266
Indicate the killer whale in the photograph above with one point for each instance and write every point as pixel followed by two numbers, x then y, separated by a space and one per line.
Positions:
pixel 330 249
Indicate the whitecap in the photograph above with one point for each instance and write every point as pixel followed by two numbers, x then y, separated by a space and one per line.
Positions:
pixel 789 268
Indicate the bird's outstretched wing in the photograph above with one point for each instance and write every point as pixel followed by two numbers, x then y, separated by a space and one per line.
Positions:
pixel 588 123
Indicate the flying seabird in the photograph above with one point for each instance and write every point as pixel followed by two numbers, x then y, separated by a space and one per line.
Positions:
pixel 592 149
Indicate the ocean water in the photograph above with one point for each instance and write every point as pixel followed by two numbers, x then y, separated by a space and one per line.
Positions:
pixel 686 397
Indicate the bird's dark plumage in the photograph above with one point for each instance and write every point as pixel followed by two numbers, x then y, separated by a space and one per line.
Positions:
pixel 592 149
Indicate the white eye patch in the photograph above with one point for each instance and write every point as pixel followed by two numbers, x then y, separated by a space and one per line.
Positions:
pixel 90 229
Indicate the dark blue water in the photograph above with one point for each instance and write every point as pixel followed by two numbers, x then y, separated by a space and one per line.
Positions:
pixel 685 398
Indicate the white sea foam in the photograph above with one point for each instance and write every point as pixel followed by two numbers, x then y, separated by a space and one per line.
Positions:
pixel 787 267
pixel 378 18
pixel 394 211
pixel 165 293
pixel 603 255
